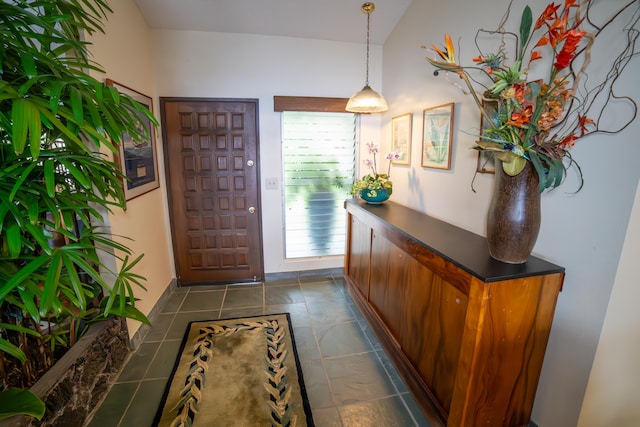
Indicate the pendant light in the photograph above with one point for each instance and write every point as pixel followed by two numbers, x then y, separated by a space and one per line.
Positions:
pixel 367 100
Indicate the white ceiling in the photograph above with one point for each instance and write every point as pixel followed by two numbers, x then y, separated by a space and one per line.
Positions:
pixel 338 20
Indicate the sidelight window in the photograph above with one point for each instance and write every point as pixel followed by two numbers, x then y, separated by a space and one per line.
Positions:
pixel 319 158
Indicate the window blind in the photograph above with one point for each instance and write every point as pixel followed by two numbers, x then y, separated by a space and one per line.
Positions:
pixel 319 167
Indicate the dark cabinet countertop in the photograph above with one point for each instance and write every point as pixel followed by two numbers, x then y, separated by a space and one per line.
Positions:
pixel 465 249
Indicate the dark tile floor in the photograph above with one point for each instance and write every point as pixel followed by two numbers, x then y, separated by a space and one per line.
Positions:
pixel 349 379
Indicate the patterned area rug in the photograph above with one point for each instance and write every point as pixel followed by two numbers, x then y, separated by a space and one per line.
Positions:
pixel 237 372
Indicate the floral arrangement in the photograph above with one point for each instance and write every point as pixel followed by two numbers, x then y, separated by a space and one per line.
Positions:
pixel 374 181
pixel 540 120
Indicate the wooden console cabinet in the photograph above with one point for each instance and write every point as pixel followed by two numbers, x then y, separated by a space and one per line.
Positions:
pixel 467 333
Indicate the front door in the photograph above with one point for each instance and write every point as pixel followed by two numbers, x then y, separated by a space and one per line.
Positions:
pixel 211 161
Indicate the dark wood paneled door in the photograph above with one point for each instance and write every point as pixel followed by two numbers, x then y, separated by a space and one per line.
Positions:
pixel 211 160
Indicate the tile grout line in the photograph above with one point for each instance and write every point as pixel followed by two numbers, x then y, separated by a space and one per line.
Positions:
pixel 126 409
pixel 324 367
pixel 377 355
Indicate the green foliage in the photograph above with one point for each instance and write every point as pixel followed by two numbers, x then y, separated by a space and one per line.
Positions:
pixel 525 31
pixel 54 183
pixel 372 182
pixel 15 401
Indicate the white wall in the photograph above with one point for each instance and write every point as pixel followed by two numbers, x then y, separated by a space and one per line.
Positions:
pixel 583 232
pixel 612 394
pixel 223 65
pixel 124 52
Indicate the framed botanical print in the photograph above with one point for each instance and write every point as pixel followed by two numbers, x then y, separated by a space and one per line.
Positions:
pixel 401 138
pixel 486 162
pixel 437 132
pixel 138 159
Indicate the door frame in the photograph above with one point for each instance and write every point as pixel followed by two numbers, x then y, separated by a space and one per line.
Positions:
pixel 165 153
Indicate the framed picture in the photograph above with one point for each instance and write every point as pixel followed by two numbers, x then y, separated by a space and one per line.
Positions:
pixel 437 132
pixel 401 138
pixel 138 160
pixel 485 158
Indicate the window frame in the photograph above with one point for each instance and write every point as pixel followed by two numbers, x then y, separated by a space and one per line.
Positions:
pixel 310 105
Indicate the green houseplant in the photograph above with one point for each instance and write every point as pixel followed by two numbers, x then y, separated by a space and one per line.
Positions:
pixel 54 183
pixel 375 185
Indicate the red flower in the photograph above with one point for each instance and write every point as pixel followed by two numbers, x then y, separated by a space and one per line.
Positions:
pixel 521 91
pixel 535 55
pixel 583 122
pixel 543 41
pixel 522 118
pixel 568 142
pixel 549 13
pixel 564 57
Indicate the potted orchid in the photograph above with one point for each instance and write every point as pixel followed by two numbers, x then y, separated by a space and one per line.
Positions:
pixel 375 187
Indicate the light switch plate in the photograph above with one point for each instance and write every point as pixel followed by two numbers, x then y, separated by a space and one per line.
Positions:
pixel 271 183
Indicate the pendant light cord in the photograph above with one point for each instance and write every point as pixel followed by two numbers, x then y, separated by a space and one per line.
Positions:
pixel 367 68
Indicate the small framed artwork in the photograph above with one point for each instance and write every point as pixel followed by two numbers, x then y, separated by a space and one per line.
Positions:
pixel 486 163
pixel 401 138
pixel 437 133
pixel 138 160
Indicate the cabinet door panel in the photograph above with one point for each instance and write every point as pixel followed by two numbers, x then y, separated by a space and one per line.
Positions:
pixel 359 253
pixel 385 290
pixel 433 329
pixel 425 314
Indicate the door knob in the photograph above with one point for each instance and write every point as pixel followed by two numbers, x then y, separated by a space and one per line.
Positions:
pixel 252 209
pixel 249 163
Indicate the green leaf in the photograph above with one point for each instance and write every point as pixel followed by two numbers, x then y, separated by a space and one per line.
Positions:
pixel 76 283
pixel 55 122
pixel 19 328
pixel 20 125
pixel 28 64
pixel 76 105
pixel 67 218
pixel 35 131
pixel 15 401
pixel 55 90
pixel 28 298
pixel 8 348
pixel 38 234
pixel 25 118
pixel 132 312
pixel 525 29
pixel 33 209
pixel 20 182
pixel 14 239
pixel 79 175
pixel 23 274
pixel 51 284
pixel 49 177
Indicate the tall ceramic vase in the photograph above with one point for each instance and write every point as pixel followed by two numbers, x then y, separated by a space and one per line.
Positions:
pixel 513 220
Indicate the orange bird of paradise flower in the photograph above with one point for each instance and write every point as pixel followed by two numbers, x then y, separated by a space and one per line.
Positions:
pixel 449 52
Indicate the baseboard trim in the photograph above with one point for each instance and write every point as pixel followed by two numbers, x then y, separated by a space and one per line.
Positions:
pixel 142 331
pixel 304 274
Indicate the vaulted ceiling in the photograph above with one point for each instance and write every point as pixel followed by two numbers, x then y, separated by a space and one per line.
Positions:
pixel 338 20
